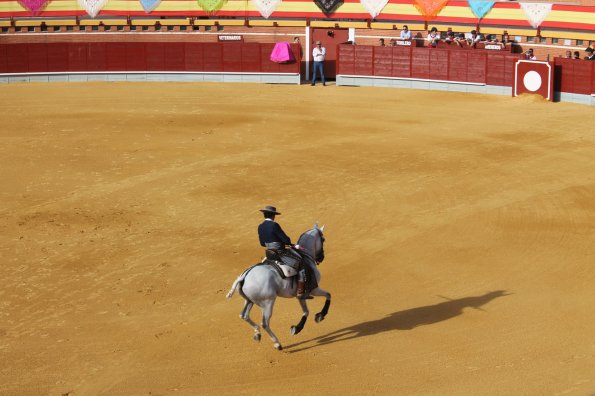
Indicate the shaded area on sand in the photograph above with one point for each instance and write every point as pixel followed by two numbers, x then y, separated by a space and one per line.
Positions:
pixel 407 319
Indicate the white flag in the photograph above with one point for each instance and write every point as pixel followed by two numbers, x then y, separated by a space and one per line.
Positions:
pixel 374 7
pixel 536 12
pixel 266 7
pixel 92 6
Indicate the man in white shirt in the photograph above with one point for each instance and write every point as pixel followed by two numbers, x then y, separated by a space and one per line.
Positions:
pixel 405 33
pixel 318 54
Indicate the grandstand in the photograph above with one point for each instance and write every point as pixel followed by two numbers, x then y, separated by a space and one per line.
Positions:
pixel 550 28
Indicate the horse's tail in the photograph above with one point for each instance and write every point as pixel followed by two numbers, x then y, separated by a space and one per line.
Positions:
pixel 234 286
pixel 239 280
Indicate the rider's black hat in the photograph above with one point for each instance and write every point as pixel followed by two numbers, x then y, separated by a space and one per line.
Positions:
pixel 270 209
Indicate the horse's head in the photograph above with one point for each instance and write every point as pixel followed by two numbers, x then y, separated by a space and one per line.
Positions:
pixel 312 241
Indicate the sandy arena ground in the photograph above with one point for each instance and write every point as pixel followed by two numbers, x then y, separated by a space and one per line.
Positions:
pixel 460 236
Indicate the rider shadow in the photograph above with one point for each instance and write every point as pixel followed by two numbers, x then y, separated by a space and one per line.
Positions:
pixel 408 319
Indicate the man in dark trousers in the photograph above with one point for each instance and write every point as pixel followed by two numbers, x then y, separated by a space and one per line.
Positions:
pixel 272 236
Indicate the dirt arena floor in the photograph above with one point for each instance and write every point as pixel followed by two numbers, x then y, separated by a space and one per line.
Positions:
pixel 460 240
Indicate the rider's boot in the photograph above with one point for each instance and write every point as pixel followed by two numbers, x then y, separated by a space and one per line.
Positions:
pixel 301 288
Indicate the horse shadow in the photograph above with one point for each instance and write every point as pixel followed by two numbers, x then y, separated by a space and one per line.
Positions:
pixel 408 319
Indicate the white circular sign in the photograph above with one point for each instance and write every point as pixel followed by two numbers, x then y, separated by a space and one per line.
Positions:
pixel 532 81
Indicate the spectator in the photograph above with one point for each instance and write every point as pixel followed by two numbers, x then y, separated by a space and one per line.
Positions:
pixel 577 55
pixel 450 37
pixel 568 55
pixel 460 39
pixel 506 38
pixel 296 40
pixel 318 54
pixel 590 54
pixel 381 42
pixel 474 39
pixel 529 55
pixel 433 37
pixel 392 42
pixel 405 33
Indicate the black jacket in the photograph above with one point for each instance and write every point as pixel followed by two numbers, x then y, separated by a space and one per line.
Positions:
pixel 269 231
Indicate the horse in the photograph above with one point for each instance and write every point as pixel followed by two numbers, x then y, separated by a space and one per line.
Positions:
pixel 261 284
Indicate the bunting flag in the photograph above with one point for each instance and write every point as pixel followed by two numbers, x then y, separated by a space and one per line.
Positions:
pixel 211 6
pixel 536 12
pixel 328 6
pixel 480 7
pixel 429 8
pixel 374 7
pixel 35 6
pixel 92 6
pixel 150 5
pixel 266 7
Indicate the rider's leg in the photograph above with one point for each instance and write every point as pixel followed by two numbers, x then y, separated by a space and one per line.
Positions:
pixel 301 284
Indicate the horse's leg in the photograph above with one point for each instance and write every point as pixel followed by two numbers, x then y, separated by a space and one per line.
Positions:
pixel 267 312
pixel 245 315
pixel 319 317
pixel 296 329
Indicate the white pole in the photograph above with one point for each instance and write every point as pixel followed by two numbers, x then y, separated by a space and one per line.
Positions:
pixel 307 54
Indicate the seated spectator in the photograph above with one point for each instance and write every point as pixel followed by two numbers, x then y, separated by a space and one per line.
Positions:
pixel 506 38
pixel 392 42
pixel 433 37
pixel 576 54
pixel 381 42
pixel 529 55
pixel 474 38
pixel 450 37
pixel 590 54
pixel 568 55
pixel 405 33
pixel 460 39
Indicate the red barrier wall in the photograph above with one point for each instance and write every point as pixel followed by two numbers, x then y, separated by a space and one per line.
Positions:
pixel 140 57
pixel 479 66
pixel 574 76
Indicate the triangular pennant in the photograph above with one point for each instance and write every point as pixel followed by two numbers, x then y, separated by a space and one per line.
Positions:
pixel 92 6
pixel 328 6
pixel 150 5
pixel 430 8
pixel 480 7
pixel 536 12
pixel 374 7
pixel 266 7
pixel 35 6
pixel 211 6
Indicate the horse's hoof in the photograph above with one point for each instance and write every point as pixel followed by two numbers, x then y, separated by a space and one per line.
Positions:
pixel 278 347
pixel 257 337
pixel 318 317
pixel 294 330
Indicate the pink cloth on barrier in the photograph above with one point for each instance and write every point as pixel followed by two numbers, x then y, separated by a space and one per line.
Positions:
pixel 282 53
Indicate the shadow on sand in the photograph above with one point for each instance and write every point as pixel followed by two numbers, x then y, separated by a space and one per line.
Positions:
pixel 403 320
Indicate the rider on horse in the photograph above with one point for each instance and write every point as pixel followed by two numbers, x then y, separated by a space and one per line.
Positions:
pixel 274 238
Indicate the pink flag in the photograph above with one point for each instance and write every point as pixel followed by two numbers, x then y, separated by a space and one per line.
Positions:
pixel 35 6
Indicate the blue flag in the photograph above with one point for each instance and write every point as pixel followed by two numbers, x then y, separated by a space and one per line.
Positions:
pixel 149 5
pixel 480 7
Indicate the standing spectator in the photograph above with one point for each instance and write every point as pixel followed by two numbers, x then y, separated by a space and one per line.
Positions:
pixel 590 54
pixel 529 55
pixel 433 37
pixel 405 33
pixel 576 55
pixel 568 54
pixel 381 42
pixel 296 40
pixel 318 54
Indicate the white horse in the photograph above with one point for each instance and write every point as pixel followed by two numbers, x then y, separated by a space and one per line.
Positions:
pixel 262 284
